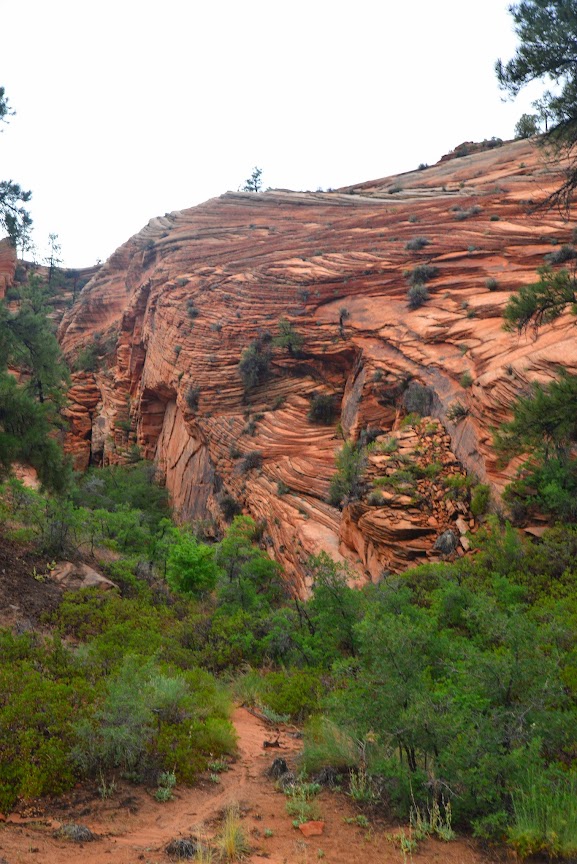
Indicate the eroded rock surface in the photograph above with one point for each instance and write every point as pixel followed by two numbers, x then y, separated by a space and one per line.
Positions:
pixel 177 304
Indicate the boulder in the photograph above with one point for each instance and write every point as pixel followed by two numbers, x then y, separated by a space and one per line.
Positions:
pixel 73 577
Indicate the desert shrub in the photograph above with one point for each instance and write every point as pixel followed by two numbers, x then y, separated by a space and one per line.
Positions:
pixel 561 255
pixel 494 218
pixel 232 842
pixel 322 409
pixel 347 482
pixel 480 499
pixel 252 460
pixel 422 273
pixel 417 295
pixel 12 294
pixel 491 284
pixel 418 399
pixel 457 411
pixel 466 380
pixel 375 499
pixel 229 506
pixel 254 366
pixel 416 244
pixel 87 359
pixel 461 215
pixel 192 310
pixel 192 397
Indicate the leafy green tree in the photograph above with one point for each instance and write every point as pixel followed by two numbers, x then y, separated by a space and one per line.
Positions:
pixel 251 580
pixel 333 611
pixel 527 126
pixel 547 32
pixel 289 338
pixel 190 565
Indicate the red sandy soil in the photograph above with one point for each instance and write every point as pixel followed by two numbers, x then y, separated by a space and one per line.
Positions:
pixel 133 827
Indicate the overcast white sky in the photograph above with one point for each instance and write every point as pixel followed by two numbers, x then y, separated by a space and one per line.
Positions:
pixel 127 109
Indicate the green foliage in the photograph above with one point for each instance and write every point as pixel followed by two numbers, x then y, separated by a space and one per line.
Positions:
pixel 417 295
pixel 545 421
pixel 14 218
pixel 422 273
pixel 328 746
pixel 562 255
pixel 416 244
pixel 527 126
pixel 254 182
pixel 190 566
pixel 456 412
pixel 28 413
pixel 26 435
pixel 254 366
pixel 347 482
pixel 250 579
pixel 466 380
pixel 192 397
pixel 545 815
pixel 418 399
pixel 252 461
pixel 322 409
pixel 547 32
pixel 480 499
pixel 289 338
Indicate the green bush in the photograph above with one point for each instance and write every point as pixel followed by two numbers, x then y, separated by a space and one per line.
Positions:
pixel 192 397
pixel 252 461
pixel 322 409
pixel 417 295
pixel 295 694
pixel 545 816
pixel 87 359
pixel 416 244
pixel 422 273
pixel 255 362
pixel 328 746
pixel 480 499
pixel 347 482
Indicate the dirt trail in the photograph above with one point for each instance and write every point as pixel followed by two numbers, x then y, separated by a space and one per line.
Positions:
pixel 133 827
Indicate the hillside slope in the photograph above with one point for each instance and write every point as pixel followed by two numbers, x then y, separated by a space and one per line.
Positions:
pixel 174 308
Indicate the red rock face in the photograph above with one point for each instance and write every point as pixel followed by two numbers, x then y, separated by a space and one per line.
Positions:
pixel 7 265
pixel 180 301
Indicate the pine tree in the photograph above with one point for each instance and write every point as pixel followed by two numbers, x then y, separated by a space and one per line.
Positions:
pixel 547 32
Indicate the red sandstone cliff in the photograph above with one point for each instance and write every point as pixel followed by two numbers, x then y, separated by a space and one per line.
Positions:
pixel 241 262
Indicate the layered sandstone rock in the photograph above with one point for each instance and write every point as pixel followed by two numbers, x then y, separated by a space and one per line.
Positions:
pixel 177 304
pixel 7 265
